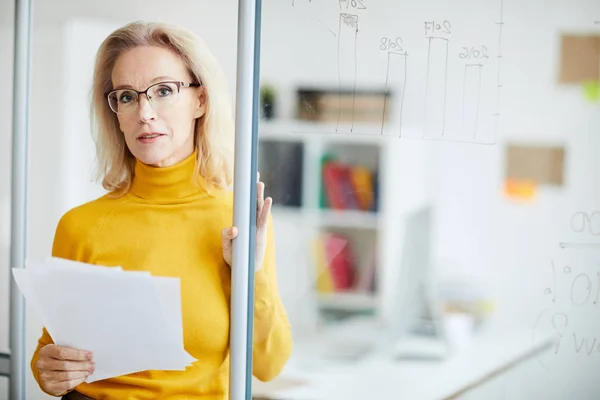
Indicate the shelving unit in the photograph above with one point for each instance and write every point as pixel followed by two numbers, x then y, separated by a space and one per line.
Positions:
pixel 370 232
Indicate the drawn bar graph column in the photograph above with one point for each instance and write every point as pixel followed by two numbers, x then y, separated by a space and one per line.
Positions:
pixel 347 35
pixel 395 81
pixel 435 87
pixel 471 99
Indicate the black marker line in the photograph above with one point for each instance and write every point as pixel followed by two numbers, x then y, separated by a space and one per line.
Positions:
pixel 477 103
pixel 339 74
pixel 588 287
pixel 355 69
pixel 426 87
pixel 387 77
pixel 572 245
pixel 584 217
pixel 464 89
pixel 403 91
pixel 445 89
pixel 498 65
pixel 591 225
pixel 556 329
pixel 438 139
pixel 553 282
pixel 326 27
pixel 443 94
pixel 437 37
pixel 534 328
pixel 353 19
pixel 598 290
pixel 453 140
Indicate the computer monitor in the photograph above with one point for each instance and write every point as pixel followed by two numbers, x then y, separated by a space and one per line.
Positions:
pixel 415 328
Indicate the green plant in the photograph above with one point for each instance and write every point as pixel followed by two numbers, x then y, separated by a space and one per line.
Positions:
pixel 267 94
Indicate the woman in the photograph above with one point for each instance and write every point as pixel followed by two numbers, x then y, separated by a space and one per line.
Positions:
pixel 164 139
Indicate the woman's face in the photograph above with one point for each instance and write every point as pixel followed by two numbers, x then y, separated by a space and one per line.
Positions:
pixel 157 132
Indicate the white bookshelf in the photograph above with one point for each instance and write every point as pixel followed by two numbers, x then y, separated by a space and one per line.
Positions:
pixel 369 230
pixel 348 301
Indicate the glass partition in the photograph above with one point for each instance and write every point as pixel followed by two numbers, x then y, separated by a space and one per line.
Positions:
pixel 432 166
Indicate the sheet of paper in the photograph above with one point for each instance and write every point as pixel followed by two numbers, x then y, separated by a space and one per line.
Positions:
pixel 168 292
pixel 22 278
pixel 63 263
pixel 131 321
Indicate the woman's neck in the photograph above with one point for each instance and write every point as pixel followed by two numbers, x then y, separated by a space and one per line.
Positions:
pixel 176 181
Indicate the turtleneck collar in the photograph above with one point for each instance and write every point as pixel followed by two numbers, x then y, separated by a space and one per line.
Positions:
pixel 168 184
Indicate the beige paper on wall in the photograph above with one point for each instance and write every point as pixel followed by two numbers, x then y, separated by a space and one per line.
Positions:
pixel 579 59
pixel 543 165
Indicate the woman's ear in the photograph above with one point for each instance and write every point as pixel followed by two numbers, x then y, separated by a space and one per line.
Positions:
pixel 201 103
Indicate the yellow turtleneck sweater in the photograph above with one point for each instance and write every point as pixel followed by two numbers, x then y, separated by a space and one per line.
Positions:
pixel 170 227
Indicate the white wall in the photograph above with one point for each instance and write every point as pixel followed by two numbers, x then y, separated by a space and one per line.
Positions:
pixel 506 246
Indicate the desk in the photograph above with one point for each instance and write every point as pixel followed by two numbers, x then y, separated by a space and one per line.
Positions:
pixel 378 377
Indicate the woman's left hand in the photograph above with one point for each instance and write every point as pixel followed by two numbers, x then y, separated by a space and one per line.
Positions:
pixel 263 209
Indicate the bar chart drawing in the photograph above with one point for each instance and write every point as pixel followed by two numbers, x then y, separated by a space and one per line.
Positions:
pixel 347 64
pixel 452 91
pixel 471 99
pixel 435 88
pixel 395 81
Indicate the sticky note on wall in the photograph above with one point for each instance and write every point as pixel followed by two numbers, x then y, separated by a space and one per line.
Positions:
pixel 591 91
pixel 579 58
pixel 520 189
pixel 537 164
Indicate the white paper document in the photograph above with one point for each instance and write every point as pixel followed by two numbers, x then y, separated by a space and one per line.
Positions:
pixel 130 321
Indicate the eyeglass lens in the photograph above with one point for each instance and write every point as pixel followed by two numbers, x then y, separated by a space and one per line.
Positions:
pixel 126 100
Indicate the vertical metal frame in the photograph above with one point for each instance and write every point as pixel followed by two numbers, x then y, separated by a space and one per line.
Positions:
pixel 244 213
pixel 18 224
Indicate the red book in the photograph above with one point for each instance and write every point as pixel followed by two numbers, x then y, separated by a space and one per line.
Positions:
pixel 332 176
pixel 340 260
pixel 341 195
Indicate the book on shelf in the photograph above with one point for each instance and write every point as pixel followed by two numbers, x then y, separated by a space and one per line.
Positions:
pixel 347 104
pixel 336 269
pixel 347 187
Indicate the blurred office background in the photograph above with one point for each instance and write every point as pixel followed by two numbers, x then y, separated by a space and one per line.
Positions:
pixel 427 160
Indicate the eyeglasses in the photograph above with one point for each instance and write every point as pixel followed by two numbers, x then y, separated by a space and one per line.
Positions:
pixel 162 94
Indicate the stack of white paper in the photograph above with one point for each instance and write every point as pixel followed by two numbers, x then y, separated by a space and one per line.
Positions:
pixel 130 321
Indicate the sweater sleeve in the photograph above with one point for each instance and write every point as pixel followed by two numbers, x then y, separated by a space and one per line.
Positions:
pixel 63 247
pixel 272 344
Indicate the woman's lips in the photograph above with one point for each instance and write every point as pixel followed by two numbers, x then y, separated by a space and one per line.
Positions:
pixel 149 137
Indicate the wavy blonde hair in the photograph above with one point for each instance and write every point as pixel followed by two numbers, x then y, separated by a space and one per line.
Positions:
pixel 214 131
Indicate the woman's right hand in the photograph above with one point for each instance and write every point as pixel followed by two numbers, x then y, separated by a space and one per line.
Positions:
pixel 63 368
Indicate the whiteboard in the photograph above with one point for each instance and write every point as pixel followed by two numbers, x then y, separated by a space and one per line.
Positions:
pixel 442 63
pixel 470 82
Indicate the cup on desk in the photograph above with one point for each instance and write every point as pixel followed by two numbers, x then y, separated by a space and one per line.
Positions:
pixel 459 329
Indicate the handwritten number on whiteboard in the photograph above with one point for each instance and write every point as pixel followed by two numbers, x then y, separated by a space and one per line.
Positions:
pixel 391 44
pixel 474 52
pixel 357 4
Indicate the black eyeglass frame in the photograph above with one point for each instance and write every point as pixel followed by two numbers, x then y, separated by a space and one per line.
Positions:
pixel 179 84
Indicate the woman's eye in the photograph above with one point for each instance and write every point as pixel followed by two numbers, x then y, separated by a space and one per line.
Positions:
pixel 164 91
pixel 125 98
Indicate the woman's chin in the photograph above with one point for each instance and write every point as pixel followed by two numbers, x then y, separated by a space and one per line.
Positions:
pixel 154 158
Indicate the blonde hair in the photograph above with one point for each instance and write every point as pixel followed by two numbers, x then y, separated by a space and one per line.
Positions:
pixel 213 132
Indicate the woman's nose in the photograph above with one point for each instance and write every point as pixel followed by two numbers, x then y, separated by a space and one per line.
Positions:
pixel 145 110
